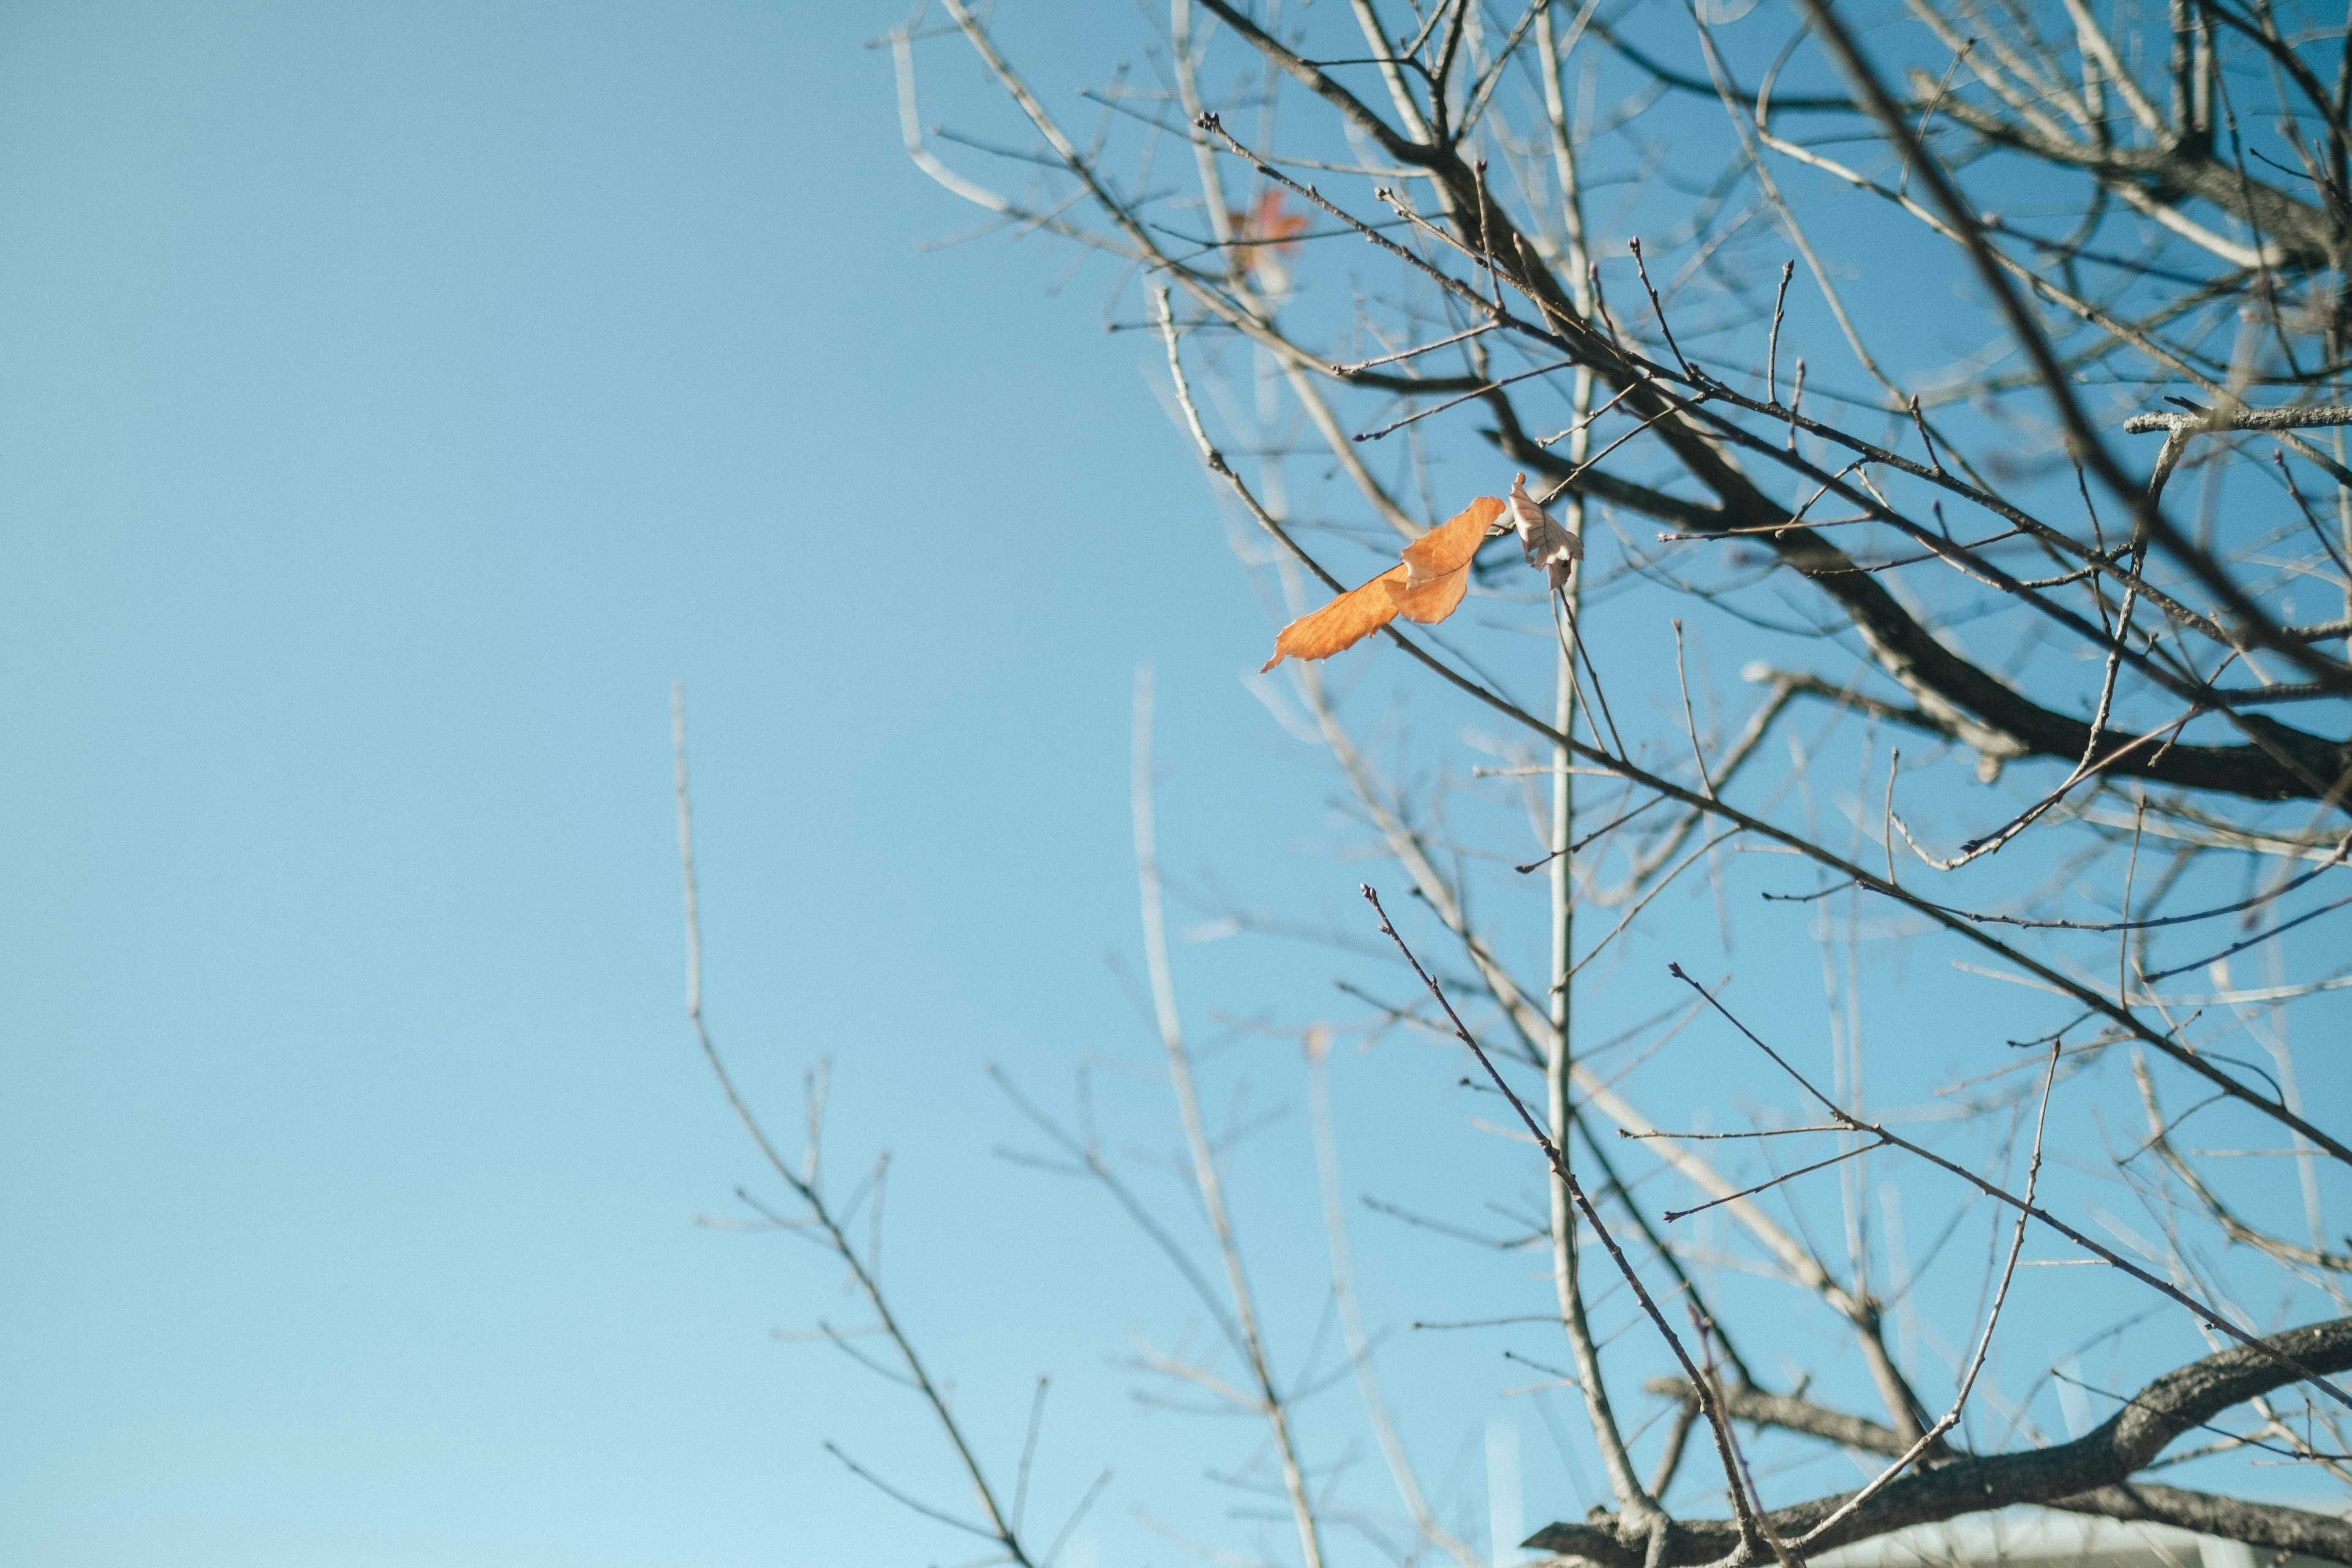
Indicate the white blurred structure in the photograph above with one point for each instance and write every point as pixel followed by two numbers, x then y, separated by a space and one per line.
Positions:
pixel 2033 1538
pixel 1505 1520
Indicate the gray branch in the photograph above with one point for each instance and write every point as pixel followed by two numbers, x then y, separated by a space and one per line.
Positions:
pixel 2257 1524
pixel 2317 415
pixel 2089 1475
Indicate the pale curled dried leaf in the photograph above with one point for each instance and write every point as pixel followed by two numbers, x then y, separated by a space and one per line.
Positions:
pixel 1548 546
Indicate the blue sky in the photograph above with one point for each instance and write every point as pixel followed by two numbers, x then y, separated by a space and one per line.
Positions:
pixel 397 399
pixel 393 401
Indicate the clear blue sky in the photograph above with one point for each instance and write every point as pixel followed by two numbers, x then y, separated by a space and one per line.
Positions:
pixel 393 400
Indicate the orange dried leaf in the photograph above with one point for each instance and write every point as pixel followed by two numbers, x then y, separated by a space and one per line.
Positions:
pixel 1427 586
pixel 1448 547
pixel 1341 624
pixel 1433 601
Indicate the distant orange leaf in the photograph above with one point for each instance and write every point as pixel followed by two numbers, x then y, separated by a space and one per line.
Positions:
pixel 1265 233
pixel 1427 586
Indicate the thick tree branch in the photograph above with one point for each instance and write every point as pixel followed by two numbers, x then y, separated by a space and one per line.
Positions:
pixel 2264 1525
pixel 2303 235
pixel 2093 1468
pixel 1958 697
